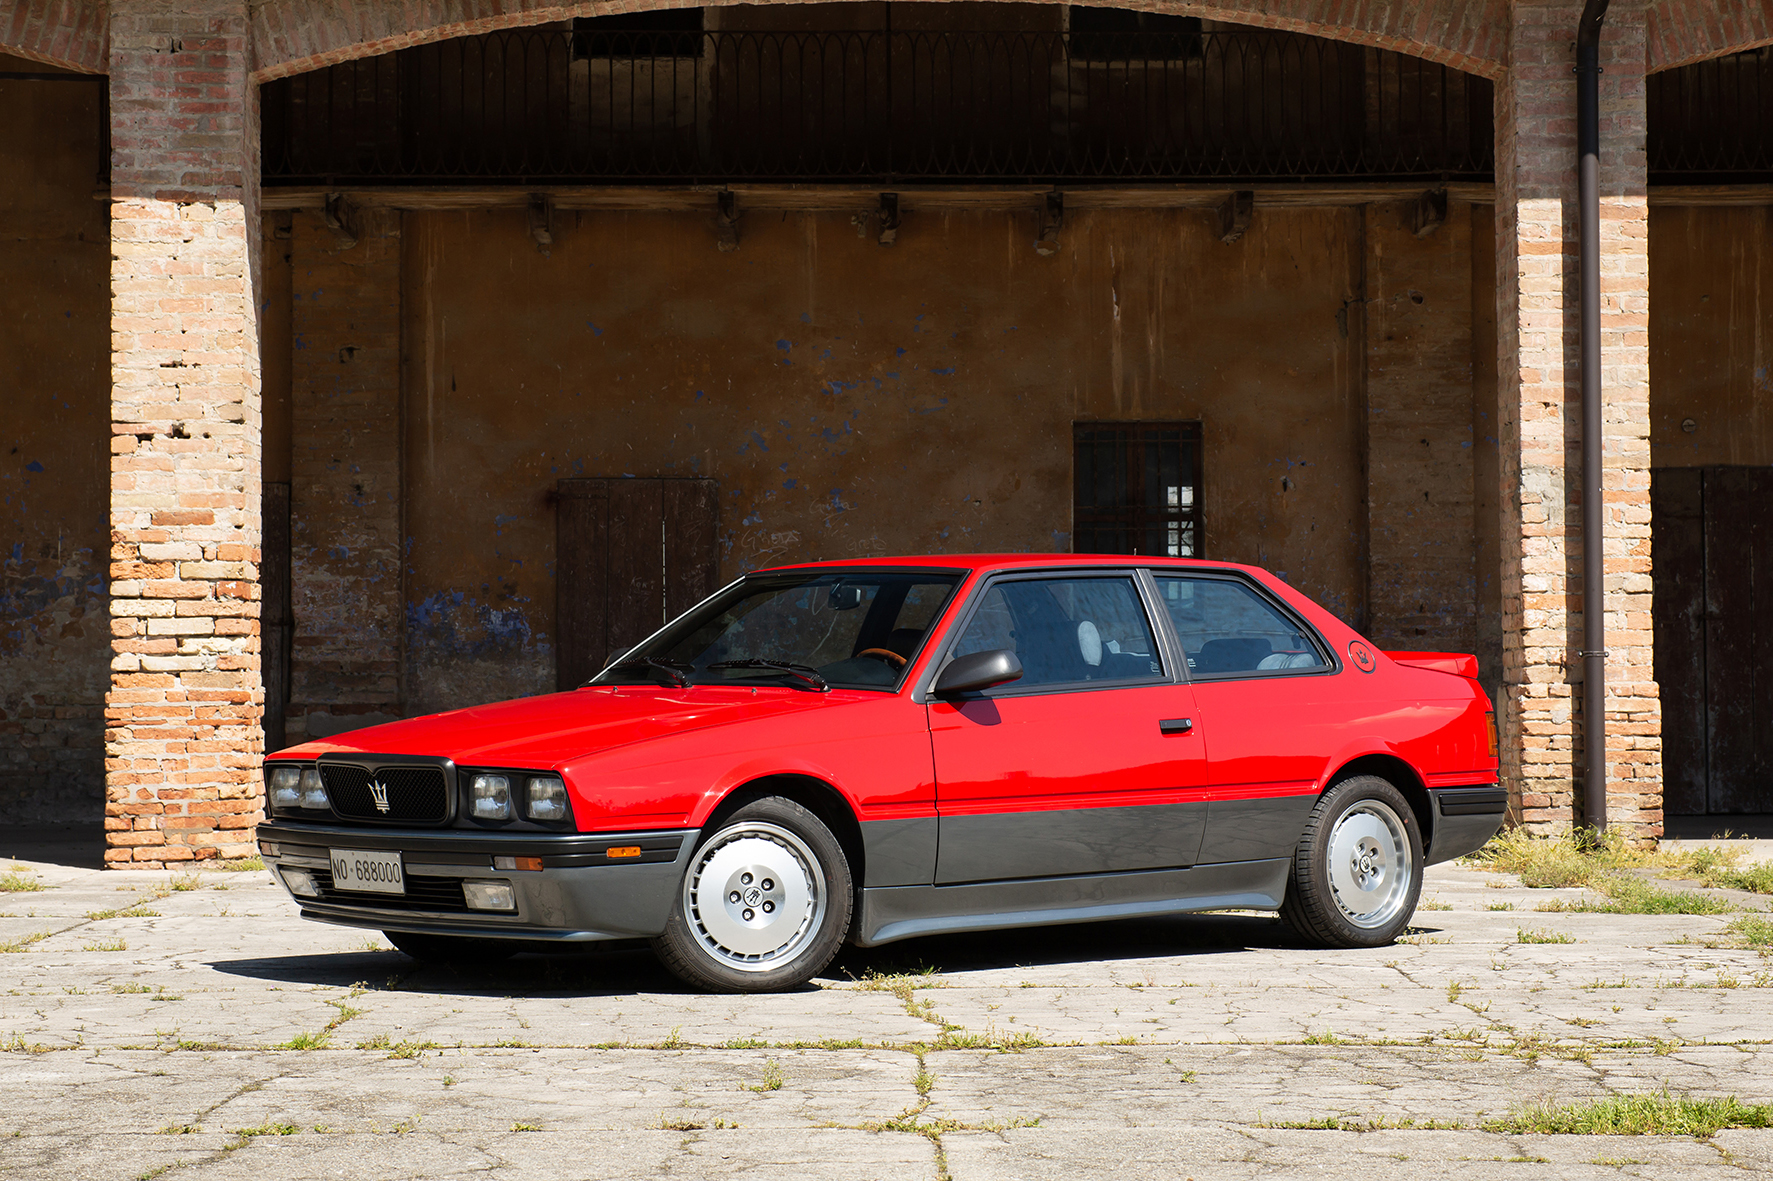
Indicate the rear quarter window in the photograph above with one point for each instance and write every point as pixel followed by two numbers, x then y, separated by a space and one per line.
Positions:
pixel 1227 628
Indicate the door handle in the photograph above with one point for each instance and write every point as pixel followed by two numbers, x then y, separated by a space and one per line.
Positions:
pixel 1176 726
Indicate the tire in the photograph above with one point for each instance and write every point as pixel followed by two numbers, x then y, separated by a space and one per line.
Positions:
pixel 779 906
pixel 455 951
pixel 1357 870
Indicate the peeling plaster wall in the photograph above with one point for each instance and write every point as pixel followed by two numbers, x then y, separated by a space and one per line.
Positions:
pixel 54 420
pixel 1420 354
pixel 1711 336
pixel 852 399
pixel 345 508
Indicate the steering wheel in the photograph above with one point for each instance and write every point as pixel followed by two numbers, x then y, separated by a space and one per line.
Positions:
pixel 886 654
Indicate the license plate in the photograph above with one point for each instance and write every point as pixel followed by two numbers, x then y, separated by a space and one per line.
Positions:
pixel 374 873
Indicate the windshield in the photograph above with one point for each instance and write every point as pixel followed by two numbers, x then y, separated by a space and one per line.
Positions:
pixel 848 629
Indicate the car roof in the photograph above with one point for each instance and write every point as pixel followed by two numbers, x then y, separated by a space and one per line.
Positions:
pixel 994 562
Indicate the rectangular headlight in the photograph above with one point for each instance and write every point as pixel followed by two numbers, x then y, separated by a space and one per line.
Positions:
pixel 547 798
pixel 300 882
pixel 489 896
pixel 489 797
pixel 313 794
pixel 285 787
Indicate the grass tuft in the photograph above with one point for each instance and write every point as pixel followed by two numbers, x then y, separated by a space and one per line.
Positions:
pixel 1522 935
pixel 16 882
pixel 307 1041
pixel 773 1078
pixel 1654 1114
pixel 1753 930
pixel 24 941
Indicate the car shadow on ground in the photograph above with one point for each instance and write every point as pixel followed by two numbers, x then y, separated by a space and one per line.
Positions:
pixel 628 968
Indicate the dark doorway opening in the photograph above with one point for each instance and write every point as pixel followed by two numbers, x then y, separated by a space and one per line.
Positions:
pixel 1712 536
pixel 631 554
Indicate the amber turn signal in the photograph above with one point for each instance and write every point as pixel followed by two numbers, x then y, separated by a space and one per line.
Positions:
pixel 622 851
pixel 1490 721
pixel 530 863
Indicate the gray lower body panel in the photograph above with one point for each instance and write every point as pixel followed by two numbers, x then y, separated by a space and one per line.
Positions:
pixel 1003 845
pixel 899 852
pixel 1254 829
pixel 902 912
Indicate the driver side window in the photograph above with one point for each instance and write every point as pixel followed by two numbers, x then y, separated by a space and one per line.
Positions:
pixel 1066 631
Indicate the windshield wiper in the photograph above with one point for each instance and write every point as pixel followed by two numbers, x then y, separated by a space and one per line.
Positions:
pixel 653 664
pixel 805 673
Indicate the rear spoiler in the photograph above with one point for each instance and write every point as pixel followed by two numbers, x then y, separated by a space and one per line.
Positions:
pixel 1457 663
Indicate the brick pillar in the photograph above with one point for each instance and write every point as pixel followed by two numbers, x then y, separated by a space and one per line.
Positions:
pixel 1537 284
pixel 183 739
pixel 345 568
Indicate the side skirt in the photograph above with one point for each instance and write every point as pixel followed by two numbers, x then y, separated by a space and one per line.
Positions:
pixel 889 913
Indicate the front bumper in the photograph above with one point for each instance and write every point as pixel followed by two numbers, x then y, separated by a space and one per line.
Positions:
pixel 579 894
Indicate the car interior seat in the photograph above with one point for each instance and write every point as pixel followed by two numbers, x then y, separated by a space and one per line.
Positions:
pixel 1237 655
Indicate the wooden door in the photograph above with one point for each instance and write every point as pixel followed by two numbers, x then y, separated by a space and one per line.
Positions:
pixel 630 555
pixel 276 620
pixel 1712 538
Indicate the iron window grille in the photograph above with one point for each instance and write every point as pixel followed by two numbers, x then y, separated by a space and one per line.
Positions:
pixel 658 105
pixel 1712 122
pixel 1137 489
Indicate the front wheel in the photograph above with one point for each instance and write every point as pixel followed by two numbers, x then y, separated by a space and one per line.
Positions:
pixel 1357 870
pixel 765 902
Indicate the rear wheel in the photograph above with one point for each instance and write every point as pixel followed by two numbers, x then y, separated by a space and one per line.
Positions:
pixel 765 902
pixel 456 951
pixel 1357 870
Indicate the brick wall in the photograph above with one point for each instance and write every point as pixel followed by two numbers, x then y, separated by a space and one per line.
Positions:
pixel 1685 31
pixel 71 33
pixel 1537 293
pixel 1420 590
pixel 182 716
pixel 345 474
pixel 296 35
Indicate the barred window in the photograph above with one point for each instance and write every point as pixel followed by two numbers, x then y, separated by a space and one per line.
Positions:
pixel 1137 489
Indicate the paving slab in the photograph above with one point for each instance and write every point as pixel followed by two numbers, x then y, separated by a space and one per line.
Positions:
pixel 193 1025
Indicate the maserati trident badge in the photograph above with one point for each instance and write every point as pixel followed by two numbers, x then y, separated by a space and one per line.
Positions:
pixel 379 790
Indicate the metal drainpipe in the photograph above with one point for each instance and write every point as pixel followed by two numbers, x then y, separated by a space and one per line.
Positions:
pixel 1594 623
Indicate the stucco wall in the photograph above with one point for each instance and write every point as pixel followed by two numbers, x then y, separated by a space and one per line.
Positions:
pixel 54 416
pixel 853 399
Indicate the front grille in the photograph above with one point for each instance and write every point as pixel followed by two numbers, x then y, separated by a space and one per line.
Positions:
pixel 422 893
pixel 414 794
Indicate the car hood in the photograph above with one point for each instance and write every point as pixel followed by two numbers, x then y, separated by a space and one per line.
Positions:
pixel 542 732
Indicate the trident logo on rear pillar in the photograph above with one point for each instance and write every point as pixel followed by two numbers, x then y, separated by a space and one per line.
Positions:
pixel 379 790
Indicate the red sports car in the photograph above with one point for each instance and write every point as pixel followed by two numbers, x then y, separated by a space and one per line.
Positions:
pixel 875 750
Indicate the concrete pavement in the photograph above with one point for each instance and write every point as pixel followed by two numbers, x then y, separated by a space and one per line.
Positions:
pixel 155 1023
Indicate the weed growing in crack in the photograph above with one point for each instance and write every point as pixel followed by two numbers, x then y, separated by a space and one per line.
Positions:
pixel 1522 935
pixel 773 1078
pixel 16 882
pixel 317 1040
pixel 24 941
pixel 1657 1113
pixel 131 912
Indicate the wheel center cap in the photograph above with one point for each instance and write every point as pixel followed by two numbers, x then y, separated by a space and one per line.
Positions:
pixel 753 896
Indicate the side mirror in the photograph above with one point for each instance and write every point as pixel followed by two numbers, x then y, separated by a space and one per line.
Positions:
pixel 978 670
